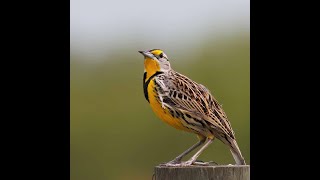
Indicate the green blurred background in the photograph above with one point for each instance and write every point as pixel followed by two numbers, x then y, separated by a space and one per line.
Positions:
pixel 114 133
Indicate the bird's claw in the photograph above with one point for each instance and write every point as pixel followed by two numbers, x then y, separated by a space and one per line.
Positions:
pixel 187 163
pixel 171 164
pixel 174 163
pixel 199 163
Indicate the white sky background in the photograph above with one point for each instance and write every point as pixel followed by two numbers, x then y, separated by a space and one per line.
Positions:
pixel 101 26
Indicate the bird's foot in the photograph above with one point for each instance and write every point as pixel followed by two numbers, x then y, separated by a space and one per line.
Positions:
pixel 198 162
pixel 177 163
pixel 201 163
pixel 173 163
pixel 187 163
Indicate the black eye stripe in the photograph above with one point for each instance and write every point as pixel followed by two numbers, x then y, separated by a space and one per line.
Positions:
pixel 161 55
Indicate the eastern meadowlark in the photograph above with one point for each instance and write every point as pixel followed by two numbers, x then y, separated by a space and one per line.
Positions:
pixel 186 105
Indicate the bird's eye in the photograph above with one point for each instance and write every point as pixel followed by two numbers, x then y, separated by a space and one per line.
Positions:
pixel 161 55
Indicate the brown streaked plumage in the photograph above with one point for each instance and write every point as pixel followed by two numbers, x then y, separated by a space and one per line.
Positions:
pixel 186 105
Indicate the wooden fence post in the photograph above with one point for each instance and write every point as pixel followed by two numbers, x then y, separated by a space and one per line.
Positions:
pixel 217 172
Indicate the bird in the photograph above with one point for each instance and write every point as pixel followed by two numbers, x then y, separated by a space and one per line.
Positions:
pixel 186 105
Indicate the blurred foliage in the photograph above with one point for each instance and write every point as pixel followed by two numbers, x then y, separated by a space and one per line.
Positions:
pixel 115 134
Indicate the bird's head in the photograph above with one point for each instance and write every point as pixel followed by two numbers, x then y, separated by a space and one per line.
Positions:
pixel 155 60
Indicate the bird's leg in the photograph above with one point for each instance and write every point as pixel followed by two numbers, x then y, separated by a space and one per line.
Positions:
pixel 194 157
pixel 177 161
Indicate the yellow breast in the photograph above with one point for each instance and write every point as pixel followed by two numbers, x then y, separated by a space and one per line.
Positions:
pixel 163 114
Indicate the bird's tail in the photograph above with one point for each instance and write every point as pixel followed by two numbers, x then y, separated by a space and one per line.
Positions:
pixel 236 153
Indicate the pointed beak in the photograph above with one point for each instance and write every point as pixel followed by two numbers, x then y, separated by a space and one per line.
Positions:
pixel 146 54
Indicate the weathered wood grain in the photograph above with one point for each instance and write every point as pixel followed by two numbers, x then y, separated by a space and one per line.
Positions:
pixel 218 172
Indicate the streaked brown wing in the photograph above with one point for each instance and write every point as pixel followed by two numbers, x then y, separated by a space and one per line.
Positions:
pixel 196 100
pixel 216 110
